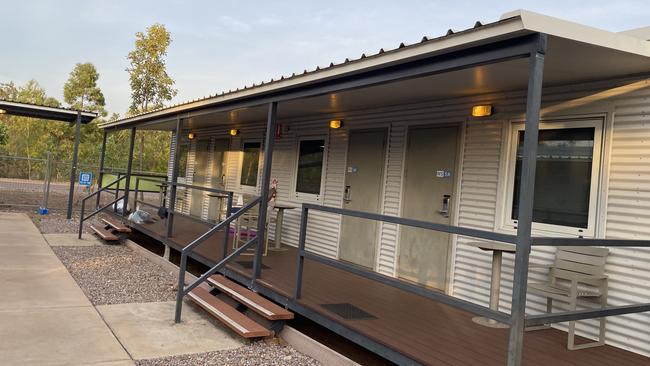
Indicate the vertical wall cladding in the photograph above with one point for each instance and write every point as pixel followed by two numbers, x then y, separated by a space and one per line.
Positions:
pixel 392 196
pixel 478 202
pixel 628 217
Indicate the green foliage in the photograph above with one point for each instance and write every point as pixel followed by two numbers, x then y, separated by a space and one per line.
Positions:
pixel 81 90
pixel 4 134
pixel 150 84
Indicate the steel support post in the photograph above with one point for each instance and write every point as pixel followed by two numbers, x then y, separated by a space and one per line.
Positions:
pixel 171 189
pixel 129 166
pixel 266 183
pixel 526 196
pixel 48 178
pixel 100 173
pixel 73 166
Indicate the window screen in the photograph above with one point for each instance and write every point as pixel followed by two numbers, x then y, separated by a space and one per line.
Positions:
pixel 310 166
pixel 563 176
pixel 250 164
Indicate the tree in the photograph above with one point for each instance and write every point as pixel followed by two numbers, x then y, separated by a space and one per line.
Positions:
pixel 81 90
pixel 151 87
pixel 4 134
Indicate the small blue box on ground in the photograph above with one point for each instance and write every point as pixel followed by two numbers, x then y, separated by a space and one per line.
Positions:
pixel 43 211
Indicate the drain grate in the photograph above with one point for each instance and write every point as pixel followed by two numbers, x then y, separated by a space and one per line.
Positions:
pixel 249 265
pixel 348 311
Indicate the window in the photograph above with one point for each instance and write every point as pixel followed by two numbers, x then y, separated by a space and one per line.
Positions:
pixel 250 164
pixel 566 179
pixel 310 166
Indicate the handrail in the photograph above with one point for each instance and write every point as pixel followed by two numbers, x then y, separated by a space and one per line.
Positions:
pixel 182 290
pixel 97 210
pixel 104 188
pixel 419 290
pixel 202 188
pixel 481 234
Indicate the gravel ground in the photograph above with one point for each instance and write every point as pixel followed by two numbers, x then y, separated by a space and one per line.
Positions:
pixel 114 274
pixel 269 352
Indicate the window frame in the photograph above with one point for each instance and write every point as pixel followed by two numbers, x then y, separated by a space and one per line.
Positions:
pixel 594 191
pixel 302 196
pixel 244 187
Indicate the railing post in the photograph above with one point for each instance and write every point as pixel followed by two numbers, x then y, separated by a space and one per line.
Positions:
pixel 48 178
pixel 301 249
pixel 181 287
pixel 81 218
pixel 135 193
pixel 117 190
pixel 266 182
pixel 129 165
pixel 172 194
pixel 227 228
pixel 526 197
pixel 100 174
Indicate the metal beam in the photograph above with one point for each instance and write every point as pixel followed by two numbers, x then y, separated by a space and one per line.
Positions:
pixel 172 188
pixel 73 166
pixel 581 242
pixel 481 234
pixel 526 196
pixel 129 165
pixel 100 174
pixel 541 319
pixel 265 184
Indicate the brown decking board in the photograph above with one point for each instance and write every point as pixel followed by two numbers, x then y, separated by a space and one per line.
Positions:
pixel 425 330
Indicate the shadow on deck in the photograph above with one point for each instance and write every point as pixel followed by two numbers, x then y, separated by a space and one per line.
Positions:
pixel 419 328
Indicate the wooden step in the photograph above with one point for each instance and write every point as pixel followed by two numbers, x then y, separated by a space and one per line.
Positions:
pixel 252 300
pixel 104 233
pixel 116 225
pixel 240 323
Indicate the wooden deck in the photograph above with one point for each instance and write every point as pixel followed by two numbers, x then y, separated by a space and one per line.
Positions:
pixel 422 329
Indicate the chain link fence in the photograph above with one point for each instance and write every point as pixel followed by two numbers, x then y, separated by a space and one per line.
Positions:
pixel 35 182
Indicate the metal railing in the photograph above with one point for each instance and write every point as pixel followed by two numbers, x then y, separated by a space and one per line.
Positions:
pixel 225 224
pixel 97 210
pixel 530 320
pixel 393 282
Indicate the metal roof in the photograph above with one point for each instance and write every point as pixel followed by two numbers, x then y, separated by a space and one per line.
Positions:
pixel 511 24
pixel 46 112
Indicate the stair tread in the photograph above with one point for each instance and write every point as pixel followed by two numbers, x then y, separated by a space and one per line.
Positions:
pixel 103 233
pixel 252 300
pixel 238 322
pixel 116 225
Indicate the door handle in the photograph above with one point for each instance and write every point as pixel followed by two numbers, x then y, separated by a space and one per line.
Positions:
pixel 444 210
pixel 347 194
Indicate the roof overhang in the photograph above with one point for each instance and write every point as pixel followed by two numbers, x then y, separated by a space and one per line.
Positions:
pixel 576 53
pixel 45 112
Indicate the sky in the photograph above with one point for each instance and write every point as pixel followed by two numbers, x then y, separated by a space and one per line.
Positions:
pixel 221 45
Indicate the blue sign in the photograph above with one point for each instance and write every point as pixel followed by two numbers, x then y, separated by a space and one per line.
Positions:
pixel 85 179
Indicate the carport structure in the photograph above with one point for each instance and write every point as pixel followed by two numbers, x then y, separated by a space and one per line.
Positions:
pixel 78 117
pixel 514 56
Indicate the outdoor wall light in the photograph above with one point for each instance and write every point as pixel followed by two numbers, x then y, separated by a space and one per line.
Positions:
pixel 481 110
pixel 234 132
pixel 2 111
pixel 336 123
pixel 191 136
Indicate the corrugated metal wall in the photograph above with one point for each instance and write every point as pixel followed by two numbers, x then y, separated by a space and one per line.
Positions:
pixel 626 106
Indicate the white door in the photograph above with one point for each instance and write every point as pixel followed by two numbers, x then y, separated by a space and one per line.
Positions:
pixel 363 187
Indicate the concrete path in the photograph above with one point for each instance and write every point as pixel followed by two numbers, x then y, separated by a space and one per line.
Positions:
pixel 45 318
